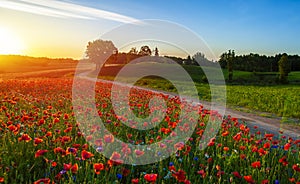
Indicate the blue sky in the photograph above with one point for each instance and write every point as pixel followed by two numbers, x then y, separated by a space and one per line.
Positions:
pixel 258 26
pixel 261 26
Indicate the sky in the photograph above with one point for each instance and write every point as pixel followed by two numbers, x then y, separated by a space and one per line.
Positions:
pixel 63 28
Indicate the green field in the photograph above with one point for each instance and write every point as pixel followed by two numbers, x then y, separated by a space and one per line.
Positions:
pixel 253 91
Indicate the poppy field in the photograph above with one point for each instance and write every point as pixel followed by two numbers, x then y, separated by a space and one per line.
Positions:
pixel 41 141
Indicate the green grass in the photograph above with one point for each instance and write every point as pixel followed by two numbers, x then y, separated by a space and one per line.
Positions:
pixel 253 91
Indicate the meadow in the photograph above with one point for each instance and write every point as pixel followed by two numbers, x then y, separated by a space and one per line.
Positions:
pixel 253 92
pixel 41 142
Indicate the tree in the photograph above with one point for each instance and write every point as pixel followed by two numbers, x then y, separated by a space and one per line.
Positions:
pixel 145 51
pixel 231 55
pixel 156 53
pixel 228 58
pixel 284 68
pixel 98 51
pixel 133 50
pixel 200 58
pixel 188 60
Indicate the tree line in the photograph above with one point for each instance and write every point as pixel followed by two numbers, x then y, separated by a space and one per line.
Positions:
pixel 258 63
pixel 104 51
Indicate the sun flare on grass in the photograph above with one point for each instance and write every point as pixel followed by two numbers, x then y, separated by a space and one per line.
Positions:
pixel 10 43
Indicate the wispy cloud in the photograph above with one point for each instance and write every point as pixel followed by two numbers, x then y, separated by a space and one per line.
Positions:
pixel 61 9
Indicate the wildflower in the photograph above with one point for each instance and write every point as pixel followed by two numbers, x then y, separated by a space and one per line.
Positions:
pixel 150 177
pixel 237 137
pixel 25 137
pixel 225 148
pixel 74 168
pixel 202 173
pixel 86 155
pixel 69 129
pixel 179 146
pixel 296 167
pixel 224 134
pixel 43 181
pixel 98 167
pixel 109 138
pixel 287 146
pixel 249 179
pixel 53 164
pixel 236 174
pixel 40 153
pixel 67 167
pixel 60 150
pixel 1 180
pixel 256 164
pixel 180 175
pixel 283 161
pixel 135 181
pixel 265 182
pixel 139 152
pixel 37 141
pixel 119 176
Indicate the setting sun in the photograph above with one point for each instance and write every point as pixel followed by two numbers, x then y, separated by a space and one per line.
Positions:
pixel 10 43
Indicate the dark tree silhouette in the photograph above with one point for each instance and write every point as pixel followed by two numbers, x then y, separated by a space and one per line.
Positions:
pixel 133 50
pixel 188 60
pixel 145 51
pixel 156 52
pixel 99 51
pixel 228 59
pixel 284 68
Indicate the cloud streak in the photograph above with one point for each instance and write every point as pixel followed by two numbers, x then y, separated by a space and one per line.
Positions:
pixel 61 9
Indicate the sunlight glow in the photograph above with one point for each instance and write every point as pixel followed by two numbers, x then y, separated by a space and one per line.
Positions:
pixel 10 43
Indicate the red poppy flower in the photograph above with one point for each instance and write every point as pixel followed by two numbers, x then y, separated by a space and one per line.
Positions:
pixel 202 173
pixel 1 180
pixel 287 146
pixel 66 116
pixel 249 179
pixel 139 152
pixel 269 135
pixel 115 159
pixel 40 153
pixel 53 164
pixel 165 130
pixel 256 164
pixel 25 137
pixel 283 161
pixel 60 150
pixel 150 177
pixel 225 148
pixel 74 168
pixel 109 138
pixel 267 145
pixel 261 151
pixel 135 181
pixel 67 167
pixel 43 181
pixel 48 134
pixel 224 134
pixel 237 137
pixel 180 175
pixel 37 141
pixel 98 167
pixel 69 129
pixel 242 156
pixel 264 181
pixel 179 146
pixel 236 174
pixel 86 155
pixel 296 167
pixel 211 143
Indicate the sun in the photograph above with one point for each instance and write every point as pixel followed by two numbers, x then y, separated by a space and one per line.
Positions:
pixel 10 43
